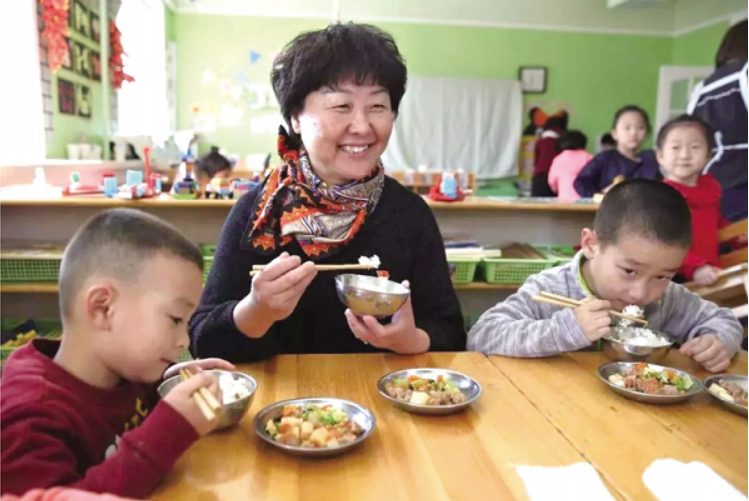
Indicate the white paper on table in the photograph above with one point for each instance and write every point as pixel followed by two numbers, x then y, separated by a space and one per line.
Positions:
pixel 576 482
pixel 671 480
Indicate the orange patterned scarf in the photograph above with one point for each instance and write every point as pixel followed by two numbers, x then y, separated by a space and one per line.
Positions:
pixel 296 204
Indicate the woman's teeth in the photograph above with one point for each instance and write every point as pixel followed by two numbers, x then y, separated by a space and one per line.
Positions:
pixel 354 149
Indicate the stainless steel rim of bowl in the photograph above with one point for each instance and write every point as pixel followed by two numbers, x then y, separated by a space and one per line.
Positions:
pixel 218 373
pixel 696 388
pixel 391 375
pixel 342 280
pixel 717 377
pixel 262 416
pixel 624 343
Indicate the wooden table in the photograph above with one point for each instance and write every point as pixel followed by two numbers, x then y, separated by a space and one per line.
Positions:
pixel 550 412
pixel 621 438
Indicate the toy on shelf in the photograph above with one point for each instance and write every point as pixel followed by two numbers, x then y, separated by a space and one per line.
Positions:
pixel 109 184
pixel 242 186
pixel 447 190
pixel 136 186
pixel 76 188
pixel 220 188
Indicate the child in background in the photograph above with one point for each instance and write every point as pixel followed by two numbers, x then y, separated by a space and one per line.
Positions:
pixel 631 127
pixel 568 164
pixel 212 165
pixel 642 232
pixel 683 148
pixel 546 149
pixel 83 412
pixel 607 143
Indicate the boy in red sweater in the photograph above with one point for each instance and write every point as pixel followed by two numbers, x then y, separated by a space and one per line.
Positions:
pixel 683 151
pixel 83 412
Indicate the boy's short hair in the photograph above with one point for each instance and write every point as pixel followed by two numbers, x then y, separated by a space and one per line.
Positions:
pixel 118 243
pixel 608 140
pixel 573 140
pixel 647 208
pixel 684 120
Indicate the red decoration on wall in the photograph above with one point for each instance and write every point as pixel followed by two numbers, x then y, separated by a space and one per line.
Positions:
pixel 55 17
pixel 116 66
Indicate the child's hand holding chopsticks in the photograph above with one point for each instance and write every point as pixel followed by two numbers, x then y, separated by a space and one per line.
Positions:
pixel 187 398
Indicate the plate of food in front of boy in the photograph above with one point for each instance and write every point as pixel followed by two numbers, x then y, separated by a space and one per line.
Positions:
pixel 730 390
pixel 314 427
pixel 429 391
pixel 649 383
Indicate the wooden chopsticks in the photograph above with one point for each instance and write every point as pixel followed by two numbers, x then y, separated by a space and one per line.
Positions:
pixel 207 403
pixel 565 302
pixel 322 267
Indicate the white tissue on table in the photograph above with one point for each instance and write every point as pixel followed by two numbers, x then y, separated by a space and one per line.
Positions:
pixel 576 482
pixel 672 480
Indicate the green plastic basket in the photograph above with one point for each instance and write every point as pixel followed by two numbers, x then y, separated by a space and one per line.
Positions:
pixel 42 268
pixel 47 328
pixel 561 254
pixel 462 269
pixel 513 271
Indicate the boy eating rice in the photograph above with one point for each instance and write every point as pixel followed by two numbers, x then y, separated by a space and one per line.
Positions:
pixel 83 412
pixel 642 232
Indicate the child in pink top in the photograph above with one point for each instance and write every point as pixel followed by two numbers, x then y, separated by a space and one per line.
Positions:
pixel 568 164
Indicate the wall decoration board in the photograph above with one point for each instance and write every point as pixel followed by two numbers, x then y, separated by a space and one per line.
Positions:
pixel 81 18
pixel 67 62
pixel 95 28
pixel 66 95
pixel 95 59
pixel 83 100
pixel 82 60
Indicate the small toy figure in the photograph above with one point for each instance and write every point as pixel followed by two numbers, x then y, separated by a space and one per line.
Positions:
pixel 187 189
pixel 109 184
pixel 447 190
pixel 242 186
pixel 139 185
pixel 220 187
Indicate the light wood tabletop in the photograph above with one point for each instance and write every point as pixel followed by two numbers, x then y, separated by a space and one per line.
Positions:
pixel 620 437
pixel 467 456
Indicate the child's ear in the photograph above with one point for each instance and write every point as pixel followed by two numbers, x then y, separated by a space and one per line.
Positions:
pixel 99 300
pixel 589 243
pixel 295 126
pixel 659 156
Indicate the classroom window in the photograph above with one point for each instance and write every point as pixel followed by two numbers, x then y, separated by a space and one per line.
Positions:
pixel 142 105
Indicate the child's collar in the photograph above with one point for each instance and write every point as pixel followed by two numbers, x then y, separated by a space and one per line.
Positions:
pixel 581 277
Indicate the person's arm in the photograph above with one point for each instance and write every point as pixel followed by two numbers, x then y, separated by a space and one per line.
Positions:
pixel 435 304
pixel 37 453
pixel 212 328
pixel 691 262
pixel 63 494
pixel 554 175
pixel 588 181
pixel 686 315
pixel 521 327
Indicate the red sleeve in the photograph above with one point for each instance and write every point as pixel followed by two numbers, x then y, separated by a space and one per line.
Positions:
pixel 690 264
pixel 37 451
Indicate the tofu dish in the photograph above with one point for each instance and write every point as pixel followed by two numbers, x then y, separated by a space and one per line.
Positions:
pixel 422 391
pixel 313 427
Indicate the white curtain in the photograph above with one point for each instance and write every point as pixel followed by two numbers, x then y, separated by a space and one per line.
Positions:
pixel 21 115
pixel 142 108
pixel 458 123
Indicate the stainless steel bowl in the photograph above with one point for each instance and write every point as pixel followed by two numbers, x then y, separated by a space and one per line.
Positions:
pixel 469 386
pixel 356 413
pixel 619 350
pixel 611 368
pixel 375 296
pixel 231 413
pixel 733 378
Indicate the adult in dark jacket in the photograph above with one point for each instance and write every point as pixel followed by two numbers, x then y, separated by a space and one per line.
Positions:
pixel 722 100
pixel 329 202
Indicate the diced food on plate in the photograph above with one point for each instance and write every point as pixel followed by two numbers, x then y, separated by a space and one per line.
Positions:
pixel 422 391
pixel 652 380
pixel 728 391
pixel 312 426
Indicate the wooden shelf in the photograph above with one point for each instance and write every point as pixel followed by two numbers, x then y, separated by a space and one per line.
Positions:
pixel 470 203
pixel 50 287
pixel 45 287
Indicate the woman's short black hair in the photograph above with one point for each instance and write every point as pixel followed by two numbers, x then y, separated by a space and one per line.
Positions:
pixel 357 53
pixel 733 48
pixel 632 108
pixel 682 121
pixel 573 140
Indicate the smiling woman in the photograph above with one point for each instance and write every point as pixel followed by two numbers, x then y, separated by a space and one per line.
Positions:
pixel 328 202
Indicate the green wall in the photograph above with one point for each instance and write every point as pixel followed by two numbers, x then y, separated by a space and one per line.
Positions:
pixel 590 74
pixel 698 48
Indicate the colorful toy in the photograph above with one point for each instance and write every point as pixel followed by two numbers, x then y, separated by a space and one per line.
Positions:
pixel 220 187
pixel 135 187
pixel 76 188
pixel 242 186
pixel 447 190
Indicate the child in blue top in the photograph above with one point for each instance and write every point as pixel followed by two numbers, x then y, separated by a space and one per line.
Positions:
pixel 631 127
